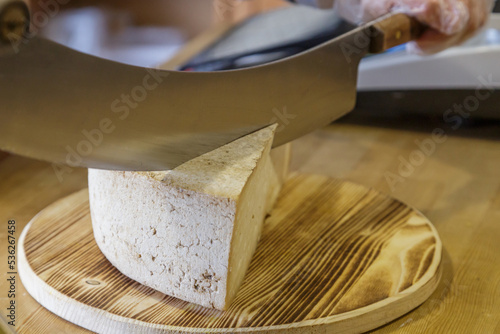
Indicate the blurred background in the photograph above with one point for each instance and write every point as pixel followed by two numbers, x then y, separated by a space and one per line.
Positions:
pixel 151 34
pixel 136 32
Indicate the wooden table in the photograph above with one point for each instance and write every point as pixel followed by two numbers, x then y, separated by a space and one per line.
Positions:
pixel 457 187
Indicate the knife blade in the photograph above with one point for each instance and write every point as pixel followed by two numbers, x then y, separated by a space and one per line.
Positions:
pixel 75 109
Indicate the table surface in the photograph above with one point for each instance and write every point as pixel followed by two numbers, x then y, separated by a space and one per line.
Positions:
pixel 457 187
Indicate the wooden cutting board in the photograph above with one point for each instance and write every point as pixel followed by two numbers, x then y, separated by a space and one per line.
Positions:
pixel 334 257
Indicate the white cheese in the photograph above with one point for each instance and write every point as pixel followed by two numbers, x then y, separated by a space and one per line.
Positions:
pixel 190 232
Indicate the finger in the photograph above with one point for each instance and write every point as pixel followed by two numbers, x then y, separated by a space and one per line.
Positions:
pixel 433 41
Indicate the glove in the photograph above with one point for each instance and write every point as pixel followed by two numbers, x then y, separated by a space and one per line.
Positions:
pixel 450 22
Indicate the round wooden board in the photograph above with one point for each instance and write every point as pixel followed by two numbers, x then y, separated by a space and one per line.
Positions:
pixel 334 257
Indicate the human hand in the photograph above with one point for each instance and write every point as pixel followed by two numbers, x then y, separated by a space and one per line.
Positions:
pixel 450 22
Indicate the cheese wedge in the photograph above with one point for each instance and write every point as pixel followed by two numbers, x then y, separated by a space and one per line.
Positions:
pixel 190 232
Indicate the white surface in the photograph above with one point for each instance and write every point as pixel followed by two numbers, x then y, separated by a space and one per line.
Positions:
pixel 463 67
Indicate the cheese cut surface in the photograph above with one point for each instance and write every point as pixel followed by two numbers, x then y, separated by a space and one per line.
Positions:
pixel 189 232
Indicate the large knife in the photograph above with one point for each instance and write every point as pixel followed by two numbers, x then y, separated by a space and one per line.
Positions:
pixel 66 107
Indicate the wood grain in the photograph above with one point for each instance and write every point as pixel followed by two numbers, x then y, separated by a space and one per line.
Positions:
pixel 457 187
pixel 334 257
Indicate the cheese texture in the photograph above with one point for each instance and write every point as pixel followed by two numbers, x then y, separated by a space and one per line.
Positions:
pixel 190 232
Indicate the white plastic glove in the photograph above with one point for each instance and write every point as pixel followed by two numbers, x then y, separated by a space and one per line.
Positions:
pixel 451 22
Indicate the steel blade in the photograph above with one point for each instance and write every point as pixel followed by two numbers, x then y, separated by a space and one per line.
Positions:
pixel 71 108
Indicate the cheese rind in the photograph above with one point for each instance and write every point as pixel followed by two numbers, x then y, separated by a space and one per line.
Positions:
pixel 189 232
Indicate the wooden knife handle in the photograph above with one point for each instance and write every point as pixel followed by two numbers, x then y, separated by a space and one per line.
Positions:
pixel 14 20
pixel 393 30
